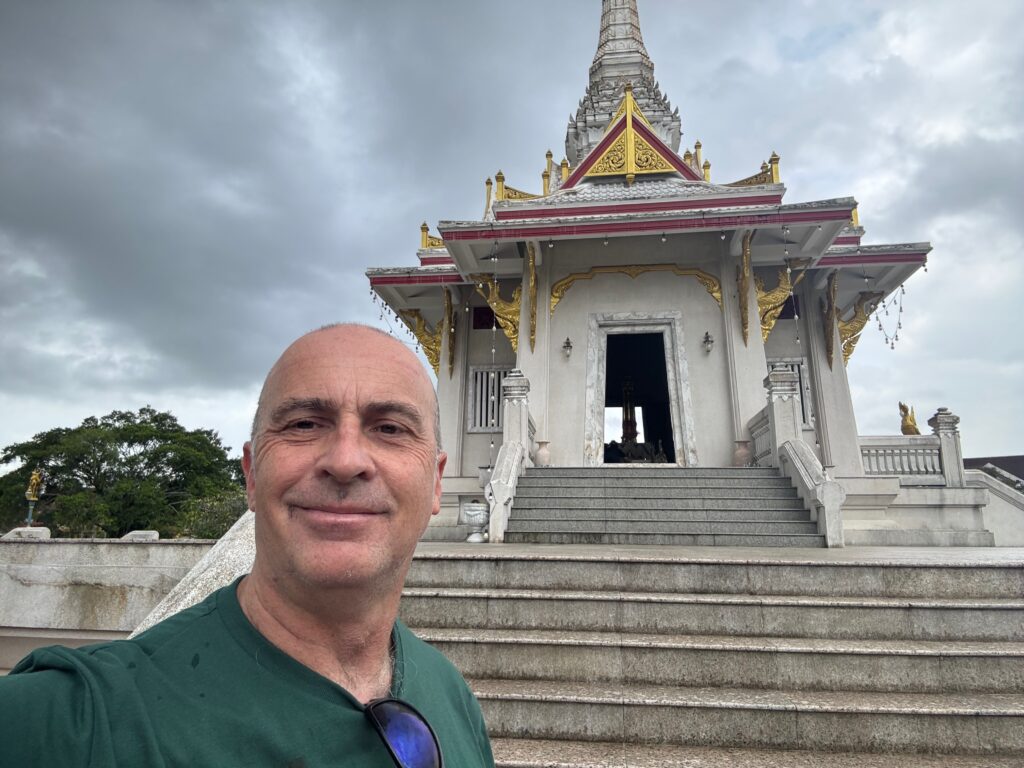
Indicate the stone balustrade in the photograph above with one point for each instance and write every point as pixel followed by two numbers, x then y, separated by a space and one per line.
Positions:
pixel 916 456
pixel 515 454
pixel 761 439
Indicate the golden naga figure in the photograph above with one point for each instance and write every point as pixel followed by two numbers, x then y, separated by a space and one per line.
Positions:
pixel 908 421
pixel 35 485
pixel 770 303
pixel 429 339
pixel 506 312
pixel 850 330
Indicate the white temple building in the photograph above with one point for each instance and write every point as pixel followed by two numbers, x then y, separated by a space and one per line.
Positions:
pixel 636 313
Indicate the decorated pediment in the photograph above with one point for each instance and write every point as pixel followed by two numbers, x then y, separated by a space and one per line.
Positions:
pixel 630 148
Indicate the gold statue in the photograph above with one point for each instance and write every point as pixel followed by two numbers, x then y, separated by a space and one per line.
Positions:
pixel 506 312
pixel 35 486
pixel 908 421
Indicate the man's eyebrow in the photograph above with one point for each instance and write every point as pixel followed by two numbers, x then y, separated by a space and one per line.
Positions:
pixel 381 408
pixel 307 404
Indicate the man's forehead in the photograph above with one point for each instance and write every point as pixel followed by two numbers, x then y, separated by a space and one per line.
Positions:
pixel 346 364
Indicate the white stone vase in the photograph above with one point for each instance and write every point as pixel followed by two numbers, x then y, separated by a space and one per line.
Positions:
pixel 476 515
pixel 543 456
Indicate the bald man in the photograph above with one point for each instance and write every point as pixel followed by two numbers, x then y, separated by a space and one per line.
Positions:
pixel 302 662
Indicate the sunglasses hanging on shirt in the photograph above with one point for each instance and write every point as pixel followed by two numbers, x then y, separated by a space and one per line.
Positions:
pixel 406 733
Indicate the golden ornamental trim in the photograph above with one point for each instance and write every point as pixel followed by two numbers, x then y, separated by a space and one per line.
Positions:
pixel 850 330
pixel 764 176
pixel 506 312
pixel 770 303
pixel 511 193
pixel 429 338
pixel 613 161
pixel 743 286
pixel 710 282
pixel 647 158
pixel 531 264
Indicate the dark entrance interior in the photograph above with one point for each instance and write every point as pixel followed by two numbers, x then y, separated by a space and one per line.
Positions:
pixel 636 382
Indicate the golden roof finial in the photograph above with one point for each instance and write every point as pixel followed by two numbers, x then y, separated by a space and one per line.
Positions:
pixel 424 229
pixel 487 200
pixel 707 170
pixel 546 180
pixel 499 178
pixel 548 161
pixel 565 169
pixel 688 157
pixel 854 216
pixel 773 161
pixel 696 151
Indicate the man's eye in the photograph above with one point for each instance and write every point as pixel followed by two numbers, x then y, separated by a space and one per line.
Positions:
pixel 390 429
pixel 303 425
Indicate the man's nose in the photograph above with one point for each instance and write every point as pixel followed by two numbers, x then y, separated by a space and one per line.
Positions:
pixel 346 454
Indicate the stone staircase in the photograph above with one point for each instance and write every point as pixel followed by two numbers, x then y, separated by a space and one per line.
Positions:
pixel 661 656
pixel 660 505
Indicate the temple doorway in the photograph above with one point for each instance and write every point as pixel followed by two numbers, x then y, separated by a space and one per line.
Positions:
pixel 638 416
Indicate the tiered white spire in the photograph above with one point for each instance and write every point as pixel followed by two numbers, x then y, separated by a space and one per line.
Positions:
pixel 620 58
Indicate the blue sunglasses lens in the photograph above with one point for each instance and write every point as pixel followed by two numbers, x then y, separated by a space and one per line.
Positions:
pixel 410 738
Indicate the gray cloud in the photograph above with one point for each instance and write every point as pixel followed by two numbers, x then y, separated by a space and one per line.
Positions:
pixel 184 187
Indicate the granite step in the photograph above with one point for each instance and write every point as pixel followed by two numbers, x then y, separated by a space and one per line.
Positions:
pixel 655 527
pixel 533 481
pixel 839 618
pixel 654 502
pixel 661 515
pixel 792 664
pixel 741 571
pixel 678 540
pixel 654 492
pixel 537 753
pixel 636 470
pixel 960 723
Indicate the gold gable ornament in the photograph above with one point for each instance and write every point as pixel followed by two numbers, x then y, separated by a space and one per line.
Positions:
pixel 630 154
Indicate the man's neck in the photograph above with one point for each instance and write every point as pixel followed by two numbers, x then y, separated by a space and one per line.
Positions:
pixel 345 638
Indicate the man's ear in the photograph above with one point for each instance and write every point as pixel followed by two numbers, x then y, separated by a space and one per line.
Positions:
pixel 249 472
pixel 442 460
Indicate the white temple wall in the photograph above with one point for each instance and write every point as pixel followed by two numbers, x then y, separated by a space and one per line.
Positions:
pixel 451 389
pixel 653 293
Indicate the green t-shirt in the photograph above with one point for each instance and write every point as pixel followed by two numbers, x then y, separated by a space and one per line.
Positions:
pixel 204 688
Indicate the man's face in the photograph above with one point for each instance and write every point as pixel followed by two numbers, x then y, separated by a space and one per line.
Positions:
pixel 344 473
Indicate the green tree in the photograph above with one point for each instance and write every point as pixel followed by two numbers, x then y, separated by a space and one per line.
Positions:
pixel 124 471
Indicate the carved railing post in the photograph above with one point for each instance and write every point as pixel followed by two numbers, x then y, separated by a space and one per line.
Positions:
pixel 514 454
pixel 944 425
pixel 784 417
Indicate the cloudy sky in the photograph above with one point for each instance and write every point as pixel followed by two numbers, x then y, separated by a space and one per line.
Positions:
pixel 187 186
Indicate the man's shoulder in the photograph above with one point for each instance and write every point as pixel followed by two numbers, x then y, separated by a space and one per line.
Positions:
pixel 105 658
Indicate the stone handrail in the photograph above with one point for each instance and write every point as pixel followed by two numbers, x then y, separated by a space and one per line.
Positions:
pixel 761 439
pixel 822 496
pixel 515 453
pixel 911 455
